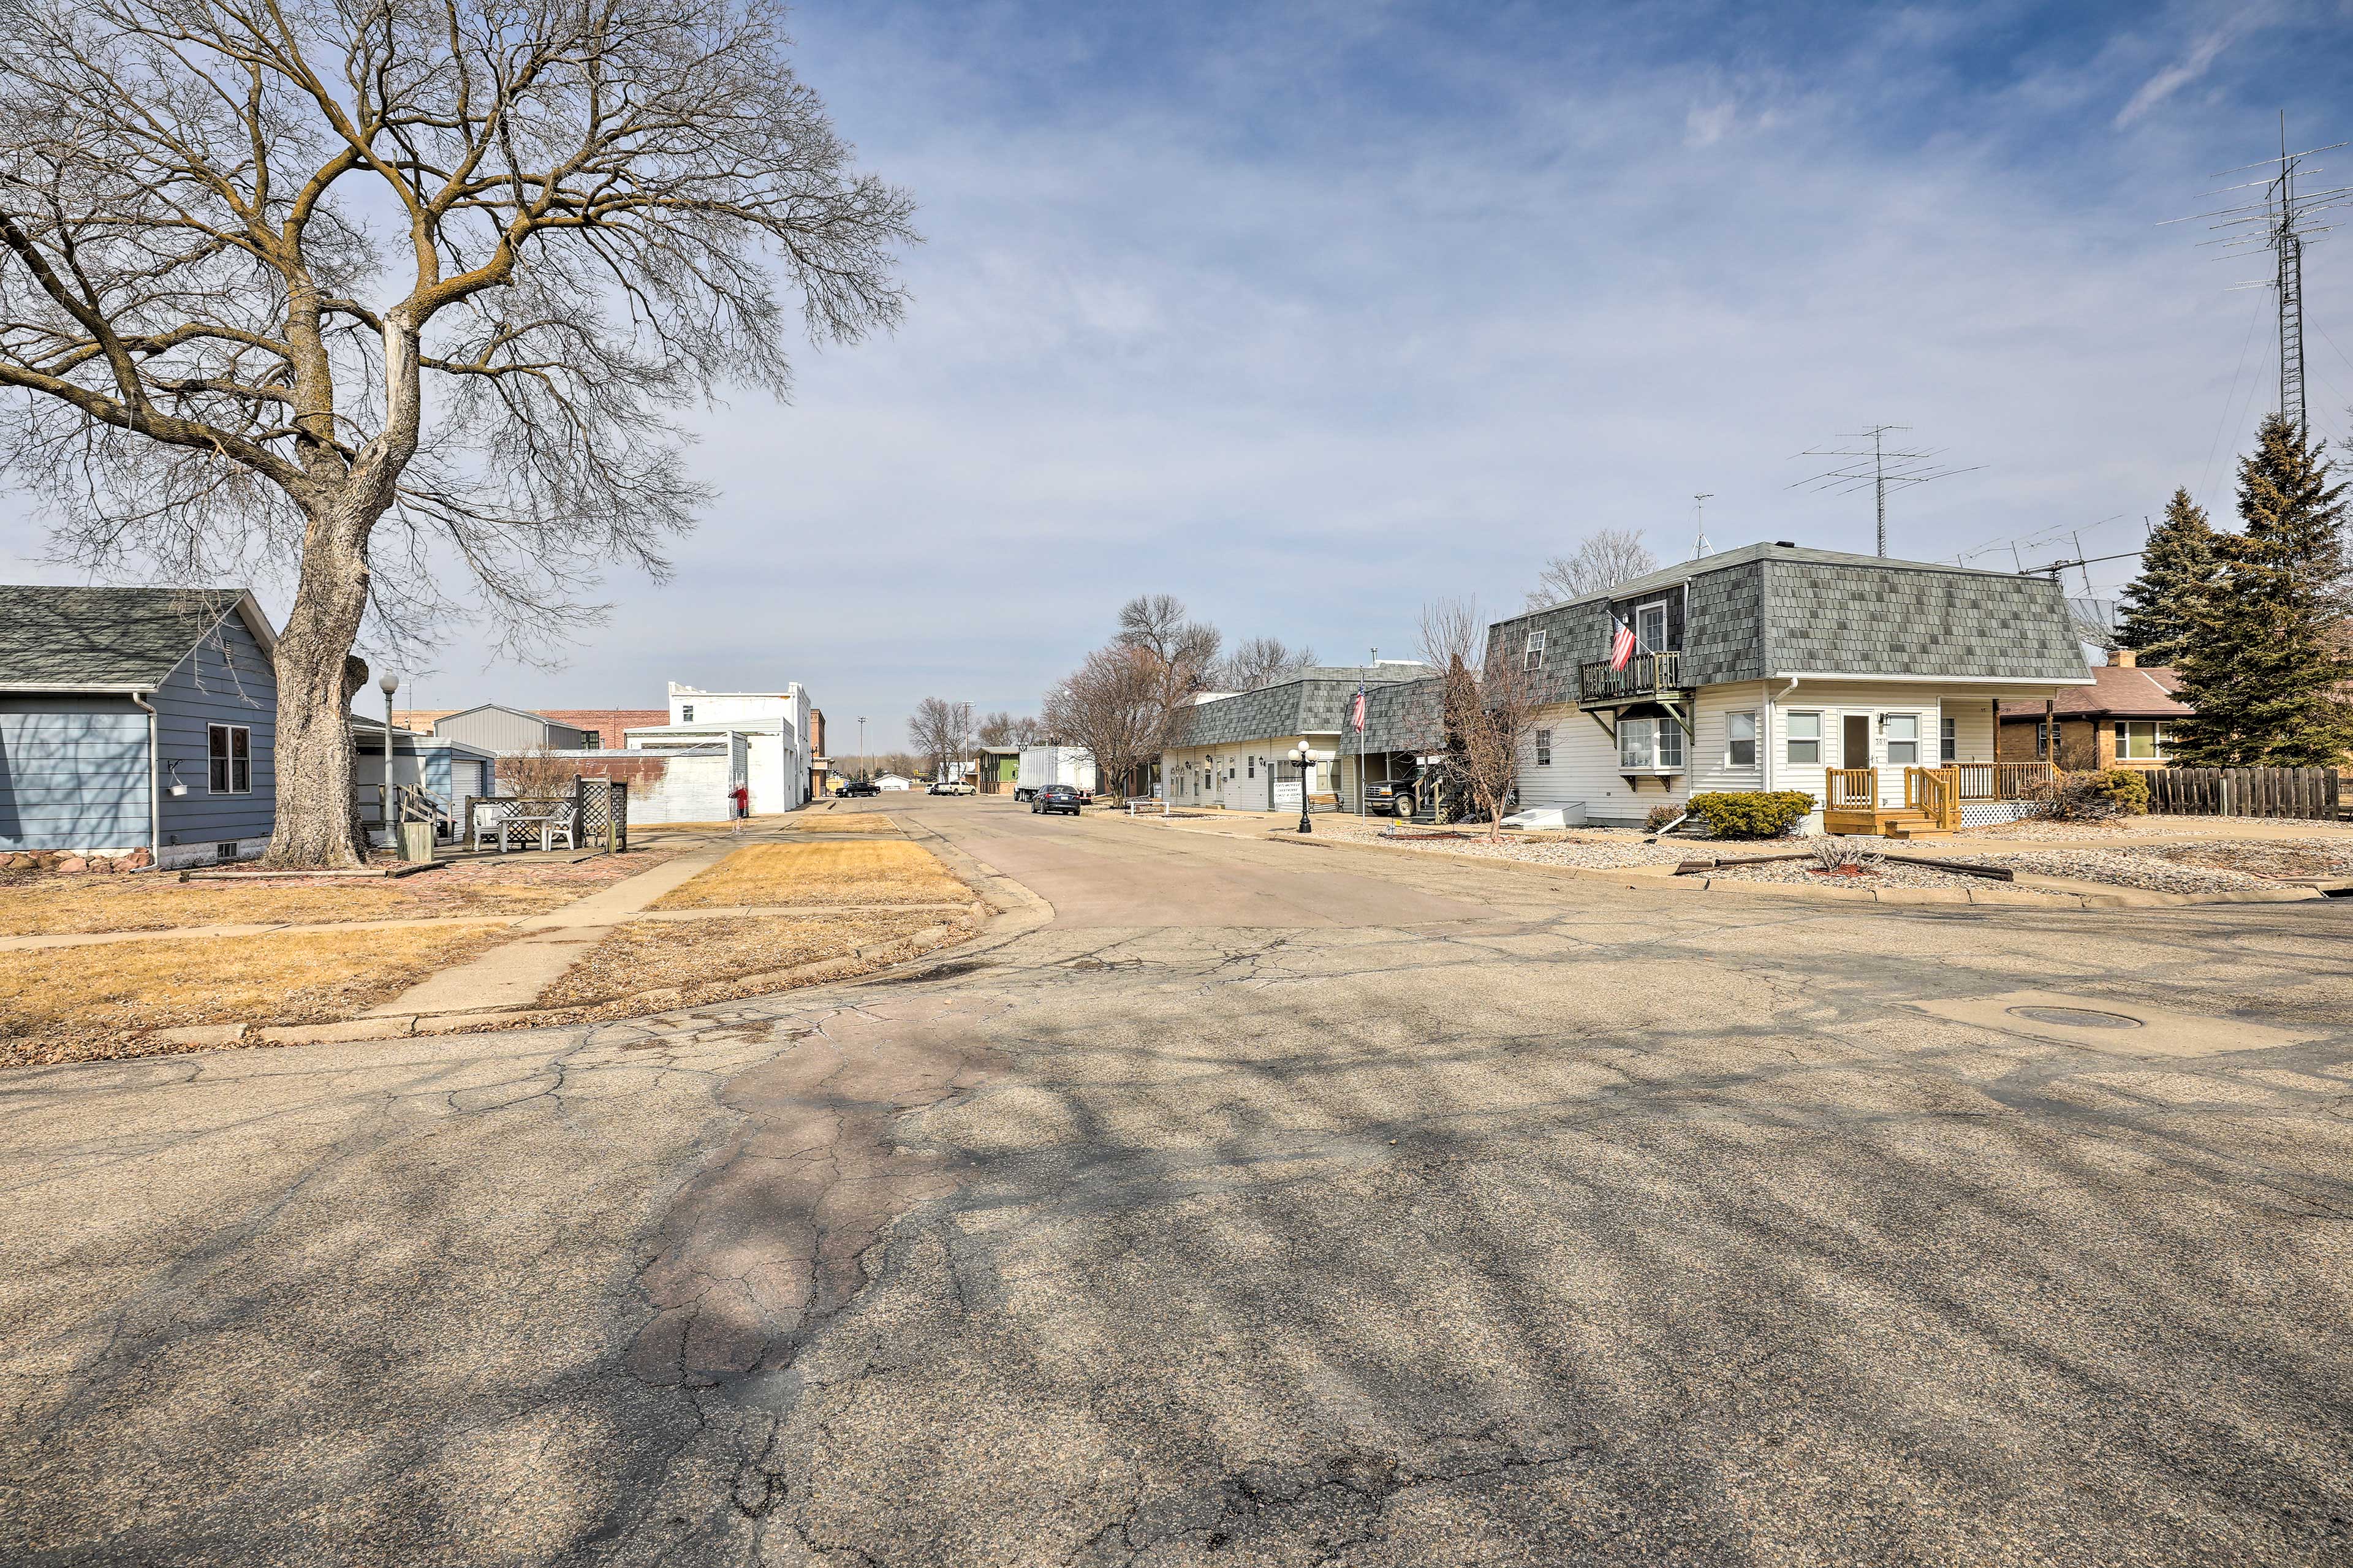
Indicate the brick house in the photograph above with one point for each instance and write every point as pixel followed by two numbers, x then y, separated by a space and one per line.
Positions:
pixel 2119 721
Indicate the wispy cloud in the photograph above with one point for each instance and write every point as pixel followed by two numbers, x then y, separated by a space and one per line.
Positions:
pixel 2174 78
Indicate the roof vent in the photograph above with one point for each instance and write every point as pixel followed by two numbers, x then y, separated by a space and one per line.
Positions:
pixel 1785 544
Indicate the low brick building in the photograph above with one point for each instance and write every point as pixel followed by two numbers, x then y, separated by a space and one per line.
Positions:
pixel 2120 720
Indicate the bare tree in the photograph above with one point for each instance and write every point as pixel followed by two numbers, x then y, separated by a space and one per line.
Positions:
pixel 390 291
pixel 942 730
pixel 996 729
pixel 1258 662
pixel 1487 707
pixel 1185 651
pixel 1113 706
pixel 1027 732
pixel 536 773
pixel 1602 560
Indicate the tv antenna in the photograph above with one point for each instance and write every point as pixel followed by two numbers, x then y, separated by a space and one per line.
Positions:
pixel 1877 466
pixel 1699 516
pixel 2279 221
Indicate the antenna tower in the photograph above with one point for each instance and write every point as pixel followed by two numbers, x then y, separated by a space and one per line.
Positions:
pixel 1699 516
pixel 1877 466
pixel 2279 221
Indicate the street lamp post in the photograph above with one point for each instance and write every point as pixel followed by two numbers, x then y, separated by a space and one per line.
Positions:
pixel 1301 751
pixel 388 685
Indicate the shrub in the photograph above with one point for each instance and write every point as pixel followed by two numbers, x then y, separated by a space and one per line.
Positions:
pixel 2128 787
pixel 1661 816
pixel 1840 854
pixel 1751 814
pixel 2092 797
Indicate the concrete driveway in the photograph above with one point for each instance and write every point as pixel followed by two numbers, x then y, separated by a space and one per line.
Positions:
pixel 1266 1206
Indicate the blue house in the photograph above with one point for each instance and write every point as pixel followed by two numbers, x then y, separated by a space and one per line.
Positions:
pixel 137 719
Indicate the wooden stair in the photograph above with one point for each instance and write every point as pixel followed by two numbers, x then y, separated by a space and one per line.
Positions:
pixel 1909 825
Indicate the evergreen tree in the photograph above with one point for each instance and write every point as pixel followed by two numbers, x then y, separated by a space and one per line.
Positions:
pixel 2177 572
pixel 2265 666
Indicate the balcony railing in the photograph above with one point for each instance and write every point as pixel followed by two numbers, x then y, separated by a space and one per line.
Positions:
pixel 1645 675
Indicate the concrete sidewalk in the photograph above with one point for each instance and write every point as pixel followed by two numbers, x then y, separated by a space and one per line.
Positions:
pixel 513 975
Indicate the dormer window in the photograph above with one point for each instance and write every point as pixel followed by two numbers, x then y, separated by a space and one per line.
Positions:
pixel 1531 656
pixel 1650 628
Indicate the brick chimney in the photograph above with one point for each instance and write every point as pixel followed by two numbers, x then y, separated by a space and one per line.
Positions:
pixel 2122 658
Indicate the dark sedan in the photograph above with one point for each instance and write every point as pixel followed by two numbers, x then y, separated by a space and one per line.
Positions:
pixel 1057 798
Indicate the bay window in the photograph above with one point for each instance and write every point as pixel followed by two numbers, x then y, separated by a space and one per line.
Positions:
pixel 1650 745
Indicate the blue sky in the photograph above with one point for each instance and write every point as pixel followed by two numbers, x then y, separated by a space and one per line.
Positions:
pixel 1310 313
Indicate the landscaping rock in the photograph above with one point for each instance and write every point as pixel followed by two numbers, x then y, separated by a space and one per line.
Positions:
pixel 137 860
pixel 72 866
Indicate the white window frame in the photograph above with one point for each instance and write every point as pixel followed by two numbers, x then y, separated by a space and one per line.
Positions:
pixel 1889 742
pixel 1791 739
pixel 1544 748
pixel 1731 740
pixel 228 757
pixel 1532 653
pixel 1658 737
pixel 1642 644
pixel 2155 753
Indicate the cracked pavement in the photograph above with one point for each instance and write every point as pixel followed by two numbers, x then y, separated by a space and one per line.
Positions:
pixel 1266 1207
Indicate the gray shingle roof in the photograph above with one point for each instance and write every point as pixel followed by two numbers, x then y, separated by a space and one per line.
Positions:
pixel 1313 703
pixel 1776 610
pixel 103 639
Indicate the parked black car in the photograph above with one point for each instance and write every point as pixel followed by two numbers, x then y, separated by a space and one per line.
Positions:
pixel 1057 798
pixel 861 786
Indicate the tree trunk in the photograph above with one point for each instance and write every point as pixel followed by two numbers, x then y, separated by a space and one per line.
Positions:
pixel 317 825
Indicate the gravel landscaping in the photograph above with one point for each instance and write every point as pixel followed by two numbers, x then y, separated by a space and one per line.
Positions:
pixel 2125 868
pixel 1598 849
pixel 1883 874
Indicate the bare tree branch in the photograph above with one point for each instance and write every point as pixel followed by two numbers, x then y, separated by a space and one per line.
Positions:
pixel 1602 560
pixel 392 303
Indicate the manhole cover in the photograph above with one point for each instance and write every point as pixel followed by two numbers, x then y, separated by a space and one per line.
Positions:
pixel 2079 1017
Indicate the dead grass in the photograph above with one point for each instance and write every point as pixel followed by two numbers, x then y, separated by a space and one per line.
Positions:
pixel 769 874
pixel 83 1003
pixel 849 822
pixel 48 905
pixel 698 956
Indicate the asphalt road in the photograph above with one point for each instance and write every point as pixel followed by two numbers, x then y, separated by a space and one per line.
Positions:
pixel 1268 1204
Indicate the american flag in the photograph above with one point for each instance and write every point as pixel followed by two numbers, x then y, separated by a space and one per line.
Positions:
pixel 1357 710
pixel 1621 644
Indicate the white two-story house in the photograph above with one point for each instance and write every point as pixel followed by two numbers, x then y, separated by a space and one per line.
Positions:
pixel 1773 668
pixel 767 734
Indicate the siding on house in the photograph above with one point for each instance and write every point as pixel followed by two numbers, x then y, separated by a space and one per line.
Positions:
pixel 226 678
pixel 73 773
pixel 1585 760
pixel 496 729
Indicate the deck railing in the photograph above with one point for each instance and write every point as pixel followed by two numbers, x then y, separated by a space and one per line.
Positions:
pixel 2002 781
pixel 1851 789
pixel 1936 793
pixel 1645 674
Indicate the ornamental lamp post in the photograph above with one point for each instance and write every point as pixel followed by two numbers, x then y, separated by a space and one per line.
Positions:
pixel 388 685
pixel 1301 751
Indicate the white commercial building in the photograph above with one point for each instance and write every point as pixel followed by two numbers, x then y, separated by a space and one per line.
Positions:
pixel 768 731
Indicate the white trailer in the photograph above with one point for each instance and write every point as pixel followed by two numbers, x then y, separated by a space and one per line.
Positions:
pixel 1043 766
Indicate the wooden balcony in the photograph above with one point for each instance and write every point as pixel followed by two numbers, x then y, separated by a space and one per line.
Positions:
pixel 1647 676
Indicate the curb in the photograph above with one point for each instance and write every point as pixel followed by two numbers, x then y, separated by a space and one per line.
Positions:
pixel 2029 889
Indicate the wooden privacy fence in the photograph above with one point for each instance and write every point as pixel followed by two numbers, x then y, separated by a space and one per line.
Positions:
pixel 2244 791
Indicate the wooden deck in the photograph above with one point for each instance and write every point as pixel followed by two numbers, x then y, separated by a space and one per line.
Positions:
pixel 1933 798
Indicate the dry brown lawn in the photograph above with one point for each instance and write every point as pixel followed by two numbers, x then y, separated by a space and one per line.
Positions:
pixel 771 874
pixel 847 822
pixel 50 905
pixel 78 1002
pixel 696 955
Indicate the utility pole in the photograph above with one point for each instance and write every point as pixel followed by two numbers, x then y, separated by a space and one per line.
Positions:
pixel 2279 221
pixel 861 745
pixel 1877 466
